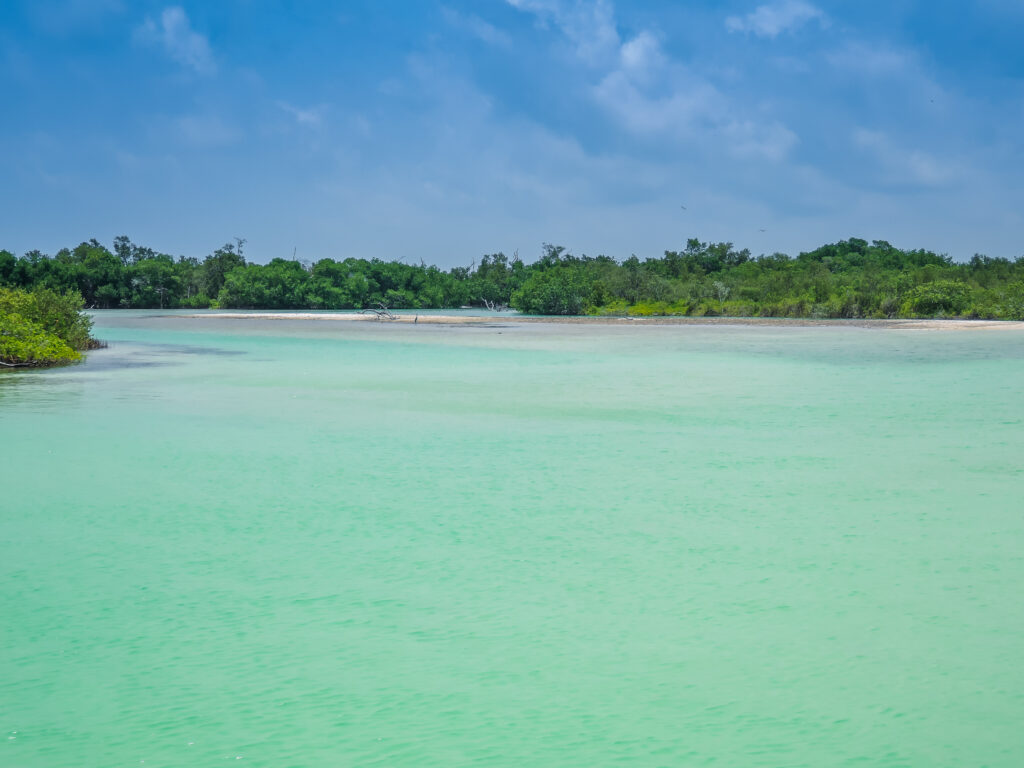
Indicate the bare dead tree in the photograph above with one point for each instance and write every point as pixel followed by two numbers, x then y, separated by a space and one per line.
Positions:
pixel 381 311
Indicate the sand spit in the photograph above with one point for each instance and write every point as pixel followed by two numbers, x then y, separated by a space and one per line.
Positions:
pixel 428 319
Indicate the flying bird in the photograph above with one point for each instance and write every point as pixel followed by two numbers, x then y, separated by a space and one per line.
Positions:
pixel 683 207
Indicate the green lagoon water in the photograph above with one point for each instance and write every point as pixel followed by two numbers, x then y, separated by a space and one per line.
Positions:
pixel 315 543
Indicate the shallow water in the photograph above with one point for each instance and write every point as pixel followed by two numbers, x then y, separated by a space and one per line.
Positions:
pixel 302 543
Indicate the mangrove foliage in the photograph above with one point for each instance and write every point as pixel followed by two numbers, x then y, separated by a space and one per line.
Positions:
pixel 849 279
pixel 41 327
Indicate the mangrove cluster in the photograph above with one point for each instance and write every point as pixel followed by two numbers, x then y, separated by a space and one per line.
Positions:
pixel 41 327
pixel 850 279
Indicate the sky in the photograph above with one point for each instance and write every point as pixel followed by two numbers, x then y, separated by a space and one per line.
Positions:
pixel 443 130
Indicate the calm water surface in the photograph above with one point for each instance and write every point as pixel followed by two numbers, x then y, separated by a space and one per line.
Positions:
pixel 314 543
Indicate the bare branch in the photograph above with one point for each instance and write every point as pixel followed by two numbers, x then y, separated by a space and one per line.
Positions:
pixel 381 311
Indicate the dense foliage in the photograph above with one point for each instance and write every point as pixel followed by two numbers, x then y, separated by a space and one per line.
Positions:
pixel 42 327
pixel 849 279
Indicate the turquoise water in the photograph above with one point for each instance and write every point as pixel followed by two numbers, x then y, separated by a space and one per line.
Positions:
pixel 302 543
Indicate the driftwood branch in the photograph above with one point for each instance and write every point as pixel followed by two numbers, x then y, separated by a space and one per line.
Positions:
pixel 381 311
pixel 31 364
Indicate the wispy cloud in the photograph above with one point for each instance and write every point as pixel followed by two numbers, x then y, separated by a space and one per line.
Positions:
pixel 476 27
pixel 901 165
pixel 772 19
pixel 651 94
pixel 750 139
pixel 691 102
pixel 642 56
pixel 590 26
pixel 882 67
pixel 871 59
pixel 173 31
pixel 311 117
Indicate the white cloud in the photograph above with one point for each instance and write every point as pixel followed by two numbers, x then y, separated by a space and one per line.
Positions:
pixel 896 70
pixel 691 102
pixel 311 117
pixel 693 111
pixel 477 27
pixel 590 26
pixel 902 166
pixel 182 43
pixel 876 60
pixel 642 56
pixel 772 19
pixel 749 139
pixel 652 95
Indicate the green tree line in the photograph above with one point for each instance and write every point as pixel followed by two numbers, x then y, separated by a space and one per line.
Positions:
pixel 852 278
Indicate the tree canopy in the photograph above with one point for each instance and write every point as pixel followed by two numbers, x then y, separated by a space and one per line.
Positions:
pixel 851 278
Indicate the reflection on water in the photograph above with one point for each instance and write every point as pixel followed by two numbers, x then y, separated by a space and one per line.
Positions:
pixel 305 543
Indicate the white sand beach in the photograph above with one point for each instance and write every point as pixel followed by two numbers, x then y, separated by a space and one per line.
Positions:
pixel 951 324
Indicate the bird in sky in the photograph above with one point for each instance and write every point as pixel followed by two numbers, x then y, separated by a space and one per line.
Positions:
pixel 683 207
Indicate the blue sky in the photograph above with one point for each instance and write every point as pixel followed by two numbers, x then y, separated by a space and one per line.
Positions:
pixel 444 130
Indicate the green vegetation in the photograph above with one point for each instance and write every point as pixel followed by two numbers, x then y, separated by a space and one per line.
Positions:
pixel 849 279
pixel 41 327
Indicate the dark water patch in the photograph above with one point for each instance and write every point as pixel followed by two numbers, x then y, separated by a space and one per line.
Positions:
pixel 150 355
pixel 118 363
pixel 193 349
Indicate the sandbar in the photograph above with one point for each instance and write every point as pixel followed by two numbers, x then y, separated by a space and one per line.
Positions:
pixel 930 324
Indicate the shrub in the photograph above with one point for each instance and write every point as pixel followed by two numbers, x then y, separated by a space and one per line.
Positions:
pixel 942 297
pixel 649 309
pixel 59 314
pixel 23 342
pixel 1011 304
pixel 554 291
pixel 617 308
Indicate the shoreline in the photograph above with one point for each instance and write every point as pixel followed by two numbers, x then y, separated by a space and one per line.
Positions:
pixel 428 319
